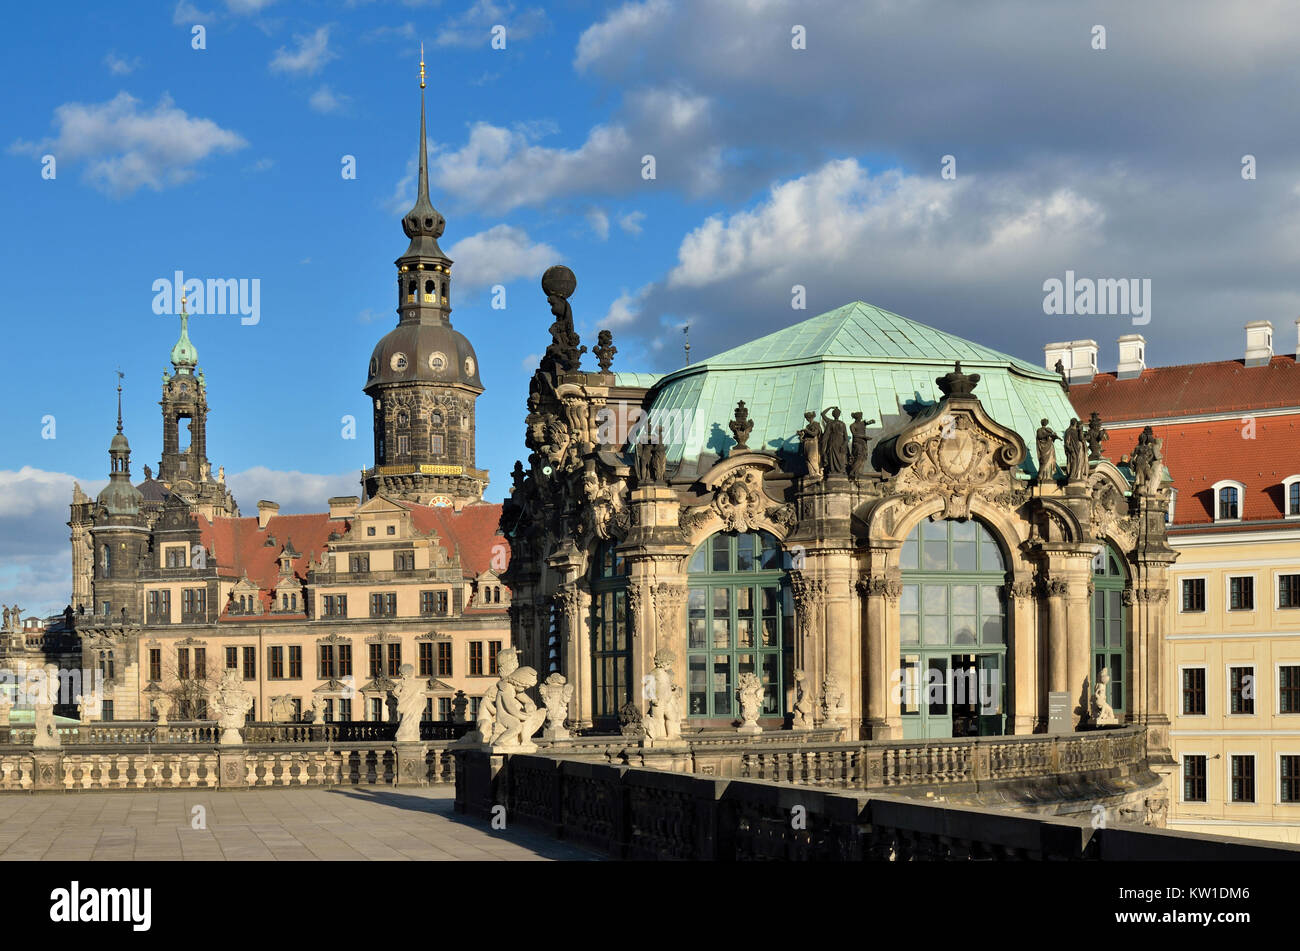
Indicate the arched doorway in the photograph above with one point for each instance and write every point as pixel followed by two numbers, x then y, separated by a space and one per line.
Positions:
pixel 1110 626
pixel 739 620
pixel 953 631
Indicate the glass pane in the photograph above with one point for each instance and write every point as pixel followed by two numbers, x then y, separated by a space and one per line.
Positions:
pixel 771 601
pixel 699 633
pixel 991 556
pixel 966 531
pixel 721 618
pixel 771 684
pixel 909 557
pixel 909 629
pixel 721 686
pixel 910 603
pixel 620 621
pixel 744 664
pixel 697 561
pixel 936 599
pixel 963 629
pixel 770 632
pixel 744 632
pixel 698 674
pixel 963 599
pixel 698 625
pixel 934 531
pixel 936 629
pixel 771 552
pixel 990 599
pixel 1098 632
pixel 745 553
pixel 1113 605
pixel 721 548
pixel 963 556
pixel 936 556
pixel 994 630
pixel 936 685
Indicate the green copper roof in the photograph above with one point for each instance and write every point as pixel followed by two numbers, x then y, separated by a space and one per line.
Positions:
pixel 637 379
pixel 184 354
pixel 857 357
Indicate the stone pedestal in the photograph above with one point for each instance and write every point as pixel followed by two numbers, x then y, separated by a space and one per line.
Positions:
pixel 233 769
pixel 412 766
pixel 47 732
pixel 749 729
pixel 47 771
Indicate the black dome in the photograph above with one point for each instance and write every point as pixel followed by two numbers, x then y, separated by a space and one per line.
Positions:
pixel 423 353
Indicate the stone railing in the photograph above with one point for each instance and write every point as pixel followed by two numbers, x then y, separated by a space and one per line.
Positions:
pixel 137 733
pixel 632 813
pixel 165 766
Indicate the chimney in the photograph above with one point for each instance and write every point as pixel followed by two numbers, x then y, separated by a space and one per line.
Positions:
pixel 1079 357
pixel 1259 343
pixel 1297 341
pixel 266 511
pixel 1132 356
pixel 343 506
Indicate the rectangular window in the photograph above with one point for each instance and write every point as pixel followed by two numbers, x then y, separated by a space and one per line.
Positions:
pixel 1194 691
pixel 428 709
pixel 155 663
pixel 383 605
pixel 328 713
pixel 444 709
pixel 394 660
pixel 250 663
pixel 476 658
pixel 494 648
pixel 426 659
pixel 193 603
pixel 474 703
pixel 275 663
pixel 1243 778
pixel 345 660
pixel 295 662
pixel 1288 688
pixel 106 708
pixel 426 602
pixel 1193 594
pixel 1288 591
pixel 1241 594
pixel 1193 779
pixel 200 663
pixel 232 658
pixel 335 605
pixel 182 663
pixel 376 710
pixel 1241 690
pixel 345 709
pixel 1289 776
pixel 436 443
pixel 358 563
pixel 444 659
pixel 325 667
pixel 440 602
pixel 376 660
pixel 404 560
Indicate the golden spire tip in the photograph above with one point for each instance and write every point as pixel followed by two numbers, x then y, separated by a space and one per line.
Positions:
pixel 421 65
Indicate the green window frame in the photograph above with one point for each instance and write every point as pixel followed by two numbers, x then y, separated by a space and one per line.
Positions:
pixel 739 620
pixel 1110 625
pixel 611 634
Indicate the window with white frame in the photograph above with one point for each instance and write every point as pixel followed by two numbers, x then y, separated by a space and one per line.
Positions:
pixel 1229 501
pixel 1194 784
pixel 1241 689
pixel 1241 593
pixel 1291 496
pixel 1288 590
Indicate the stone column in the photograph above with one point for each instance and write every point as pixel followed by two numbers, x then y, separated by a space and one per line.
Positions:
pixel 570 601
pixel 840 631
pixel 881 655
pixel 1058 680
pixel 670 632
pixel 1026 692
pixel 1078 622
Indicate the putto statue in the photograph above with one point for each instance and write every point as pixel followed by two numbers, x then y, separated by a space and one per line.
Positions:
pixel 231 703
pixel 859 453
pixel 409 692
pixel 803 705
pixel 507 661
pixel 1045 443
pixel 518 717
pixel 810 442
pixel 741 426
pixel 835 443
pixel 1103 714
pixel 556 694
pixel 663 719
pixel 749 690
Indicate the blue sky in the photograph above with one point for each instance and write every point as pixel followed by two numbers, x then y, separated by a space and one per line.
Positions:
pixel 775 166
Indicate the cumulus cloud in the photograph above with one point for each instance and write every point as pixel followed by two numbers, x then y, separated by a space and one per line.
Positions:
pixel 126 147
pixel 501 254
pixel 310 55
pixel 598 221
pixel 120 65
pixel 324 100
pixel 474 26
pixel 631 222
pixel 187 14
pixel 295 491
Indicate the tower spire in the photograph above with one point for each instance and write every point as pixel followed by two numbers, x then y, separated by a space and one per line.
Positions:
pixel 423 224
pixel 120 375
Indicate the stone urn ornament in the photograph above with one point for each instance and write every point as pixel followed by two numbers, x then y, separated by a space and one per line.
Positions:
pixel 750 691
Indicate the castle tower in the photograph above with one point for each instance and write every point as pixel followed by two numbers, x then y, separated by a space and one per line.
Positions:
pixel 119 539
pixel 423 377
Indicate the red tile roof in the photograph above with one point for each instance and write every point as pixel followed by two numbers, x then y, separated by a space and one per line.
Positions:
pixel 1199 454
pixel 1195 389
pixel 473 531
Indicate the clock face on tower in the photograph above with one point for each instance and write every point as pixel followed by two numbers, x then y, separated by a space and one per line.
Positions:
pixel 469 366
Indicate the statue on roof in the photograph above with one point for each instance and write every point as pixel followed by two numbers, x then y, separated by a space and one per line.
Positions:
pixel 1147 462
pixel 859 454
pixel 1096 436
pixel 1076 454
pixel 1045 443
pixel 604 350
pixel 564 353
pixel 835 443
pixel 810 438
pixel 741 426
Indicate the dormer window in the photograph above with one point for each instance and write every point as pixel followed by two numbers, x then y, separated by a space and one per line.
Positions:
pixel 1291 497
pixel 1229 501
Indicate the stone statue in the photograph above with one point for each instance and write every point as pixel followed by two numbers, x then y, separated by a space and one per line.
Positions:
pixel 803 706
pixel 750 692
pixel 658 459
pixel 832 697
pixel 6 616
pixel 663 719
pixel 282 709
pixel 409 692
pixel 231 703
pixel 630 723
pixel 835 443
pixel 459 707
pixel 1076 453
pixel 1060 369
pixel 859 453
pixel 810 439
pixel 604 350
pixel 564 353
pixel 518 717
pixel 1045 442
pixel 507 663
pixel 47 733
pixel 556 694
pixel 221 474
pixel 741 426
pixel 1096 436
pixel 85 707
pixel 16 615
pixel 1147 462
pixel 162 706
pixel 1102 712
pixel 1155 471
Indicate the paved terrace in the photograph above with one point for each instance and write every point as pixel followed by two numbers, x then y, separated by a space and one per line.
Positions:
pixel 273 824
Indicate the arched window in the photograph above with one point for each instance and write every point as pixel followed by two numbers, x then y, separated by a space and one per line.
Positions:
pixel 1291 497
pixel 106 560
pixel 739 620
pixel 410 292
pixel 430 290
pixel 611 636
pixel 1109 631
pixel 1229 500
pixel 953 631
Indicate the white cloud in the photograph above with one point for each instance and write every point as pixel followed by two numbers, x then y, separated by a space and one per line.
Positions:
pixel 619 32
pixel 325 100
pixel 625 309
pixel 187 14
pixel 499 255
pixel 127 148
pixel 598 222
pixel 296 492
pixel 474 26
pixel 631 222
pixel 311 55
pixel 119 65
pixel 242 7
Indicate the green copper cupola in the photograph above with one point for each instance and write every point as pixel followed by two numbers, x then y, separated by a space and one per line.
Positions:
pixel 184 357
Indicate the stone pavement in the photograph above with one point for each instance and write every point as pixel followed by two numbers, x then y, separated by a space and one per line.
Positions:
pixel 347 823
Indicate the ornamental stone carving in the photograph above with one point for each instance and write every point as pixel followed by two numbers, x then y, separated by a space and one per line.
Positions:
pixel 739 501
pixel 556 694
pixel 1057 588
pixel 833 698
pixel 1021 590
pixel 879 586
pixel 749 690
pixel 669 601
pixel 231 703
pixel 663 717
pixel 803 705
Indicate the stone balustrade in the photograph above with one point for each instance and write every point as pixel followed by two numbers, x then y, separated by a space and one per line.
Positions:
pixel 631 813
pixel 149 732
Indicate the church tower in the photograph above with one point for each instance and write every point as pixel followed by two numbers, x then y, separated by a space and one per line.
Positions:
pixel 184 468
pixel 423 378
pixel 119 539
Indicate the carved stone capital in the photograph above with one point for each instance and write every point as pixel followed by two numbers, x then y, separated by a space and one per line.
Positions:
pixel 1056 587
pixel 879 586
pixel 1020 590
